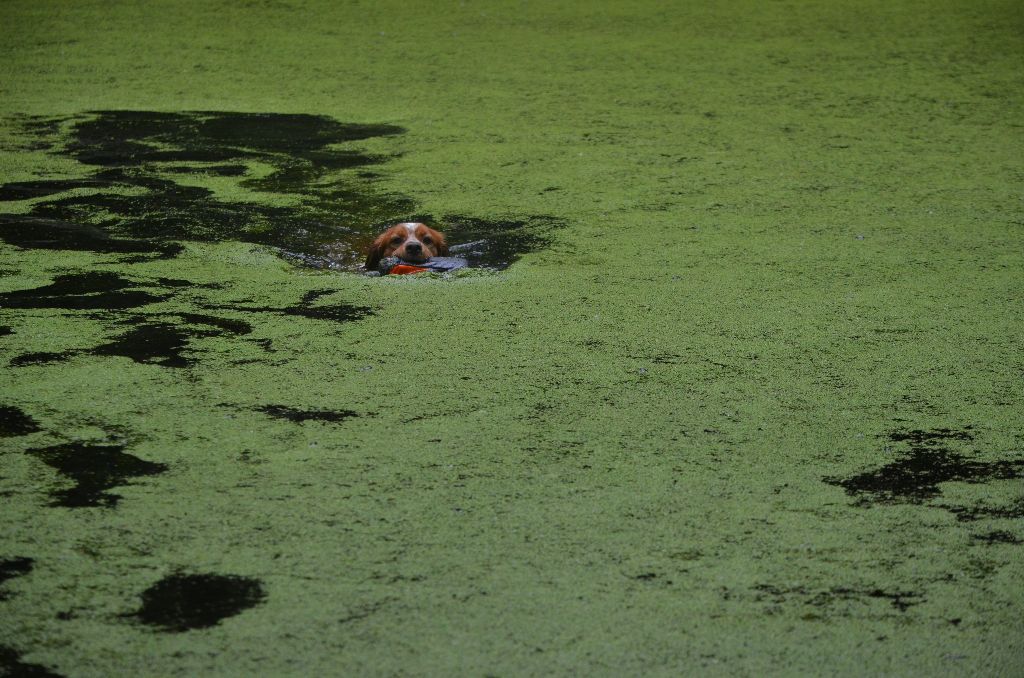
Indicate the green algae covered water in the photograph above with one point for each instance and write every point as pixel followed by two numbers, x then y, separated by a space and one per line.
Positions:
pixel 733 388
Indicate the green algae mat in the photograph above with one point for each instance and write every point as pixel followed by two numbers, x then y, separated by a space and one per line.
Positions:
pixel 734 385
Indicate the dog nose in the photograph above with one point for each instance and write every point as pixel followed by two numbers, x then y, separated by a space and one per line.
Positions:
pixel 414 248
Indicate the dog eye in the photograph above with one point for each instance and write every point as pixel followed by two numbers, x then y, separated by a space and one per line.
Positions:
pixel 427 240
pixel 397 240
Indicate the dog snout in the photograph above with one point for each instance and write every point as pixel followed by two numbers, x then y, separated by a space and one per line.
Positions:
pixel 413 248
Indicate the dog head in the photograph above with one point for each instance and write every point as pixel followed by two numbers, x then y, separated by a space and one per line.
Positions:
pixel 410 241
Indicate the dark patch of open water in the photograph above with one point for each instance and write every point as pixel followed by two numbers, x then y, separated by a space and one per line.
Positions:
pixel 94 469
pixel 900 600
pixel 998 537
pixel 14 422
pixel 88 290
pixel 13 567
pixel 156 338
pixel 181 602
pixel 915 476
pixel 299 415
pixel 11 665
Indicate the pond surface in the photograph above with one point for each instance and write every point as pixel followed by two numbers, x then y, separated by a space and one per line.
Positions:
pixel 731 388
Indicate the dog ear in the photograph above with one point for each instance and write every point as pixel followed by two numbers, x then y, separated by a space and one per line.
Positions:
pixel 440 243
pixel 376 252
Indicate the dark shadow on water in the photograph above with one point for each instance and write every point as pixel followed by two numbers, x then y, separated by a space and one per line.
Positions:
pixel 339 313
pixel 900 600
pixel 998 537
pixel 94 469
pixel 14 422
pixel 12 666
pixel 298 416
pixel 11 568
pixel 41 358
pixel 497 243
pixel 916 475
pixel 159 338
pixel 969 514
pixel 181 602
pixel 32 232
pixel 164 343
pixel 92 290
pixel 29 190
pixel 152 339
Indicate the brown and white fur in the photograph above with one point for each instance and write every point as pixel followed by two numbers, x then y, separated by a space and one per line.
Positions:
pixel 410 241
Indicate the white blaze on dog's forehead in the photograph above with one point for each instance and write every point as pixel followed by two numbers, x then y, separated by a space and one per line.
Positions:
pixel 410 228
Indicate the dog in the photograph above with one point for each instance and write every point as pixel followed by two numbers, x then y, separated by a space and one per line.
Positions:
pixel 409 241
